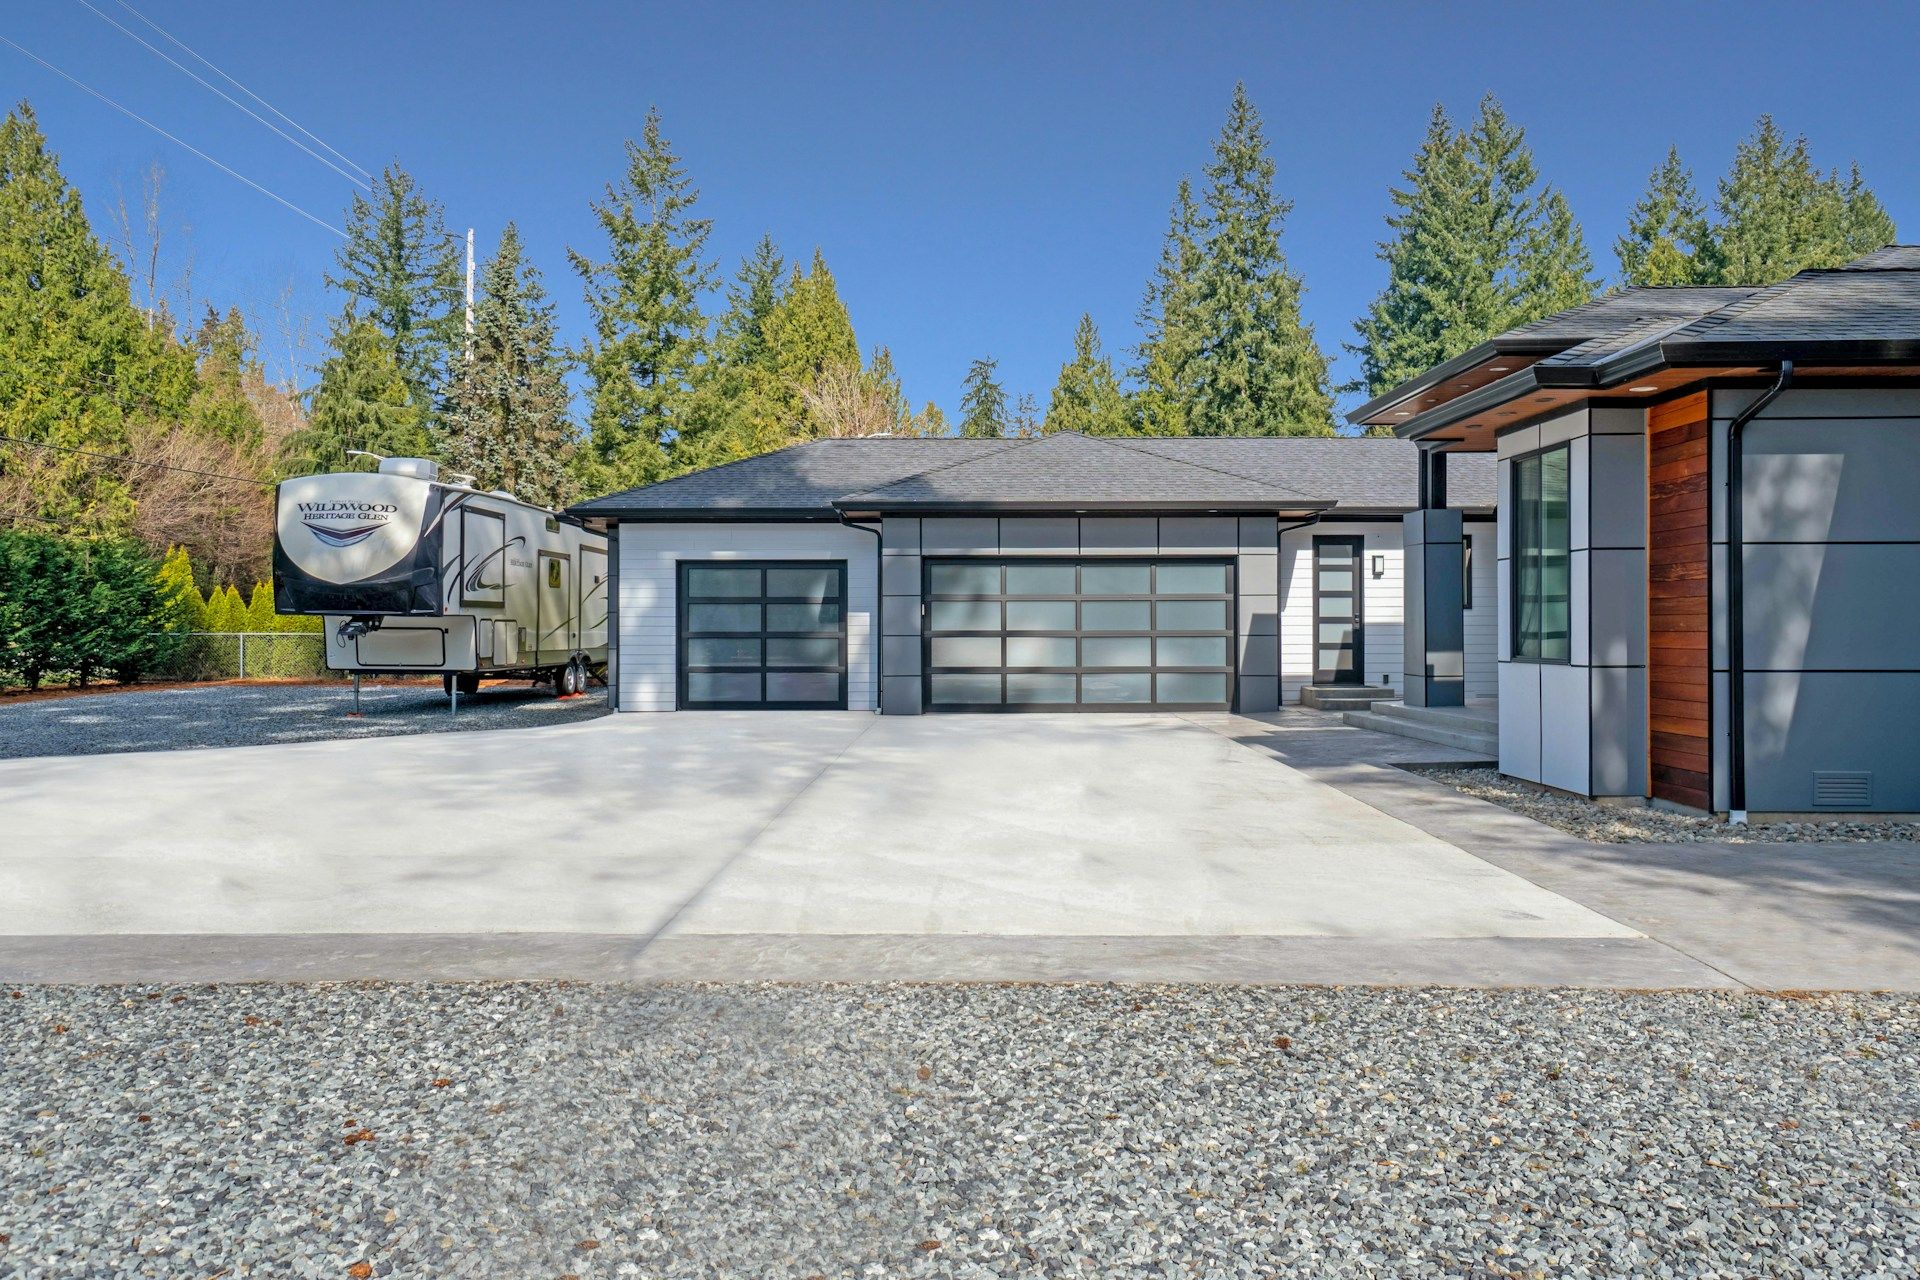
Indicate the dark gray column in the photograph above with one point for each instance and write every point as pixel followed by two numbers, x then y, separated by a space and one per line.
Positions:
pixel 1435 610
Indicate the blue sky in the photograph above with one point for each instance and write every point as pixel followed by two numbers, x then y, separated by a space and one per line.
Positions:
pixel 977 175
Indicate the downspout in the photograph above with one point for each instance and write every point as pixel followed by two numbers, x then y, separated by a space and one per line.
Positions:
pixel 1736 598
pixel 880 599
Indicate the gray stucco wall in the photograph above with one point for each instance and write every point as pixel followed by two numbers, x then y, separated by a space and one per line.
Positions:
pixel 1832 615
pixel 1251 540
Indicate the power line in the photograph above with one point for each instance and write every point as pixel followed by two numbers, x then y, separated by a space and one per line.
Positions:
pixel 133 462
pixel 134 115
pixel 179 43
pixel 198 78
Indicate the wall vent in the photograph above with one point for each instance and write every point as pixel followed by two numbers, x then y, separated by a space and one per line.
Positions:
pixel 1842 790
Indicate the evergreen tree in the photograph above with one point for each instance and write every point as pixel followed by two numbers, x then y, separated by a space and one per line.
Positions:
pixel 1027 422
pixel 1255 368
pixel 885 382
pixel 1777 215
pixel 757 289
pixel 1479 247
pixel 983 403
pixel 1168 326
pixel 400 269
pixel 226 364
pixel 79 365
pixel 806 333
pixel 506 421
pixel 361 402
pixel 260 614
pixel 650 337
pixel 1666 230
pixel 180 606
pixel 1087 398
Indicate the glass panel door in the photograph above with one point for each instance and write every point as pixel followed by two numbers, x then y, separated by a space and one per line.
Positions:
pixel 1088 635
pixel 763 634
pixel 1339 653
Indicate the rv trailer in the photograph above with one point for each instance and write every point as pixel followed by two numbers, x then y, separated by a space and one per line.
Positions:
pixel 416 573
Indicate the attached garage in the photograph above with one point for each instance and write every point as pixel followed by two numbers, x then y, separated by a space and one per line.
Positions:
pixel 1074 634
pixel 1065 573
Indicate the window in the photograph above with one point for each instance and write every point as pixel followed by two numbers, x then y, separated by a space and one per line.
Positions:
pixel 1542 556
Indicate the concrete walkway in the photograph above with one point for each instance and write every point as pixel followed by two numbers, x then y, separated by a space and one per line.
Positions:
pixel 827 846
pixel 1770 916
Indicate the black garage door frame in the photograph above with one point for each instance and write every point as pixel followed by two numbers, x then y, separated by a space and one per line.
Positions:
pixel 685 633
pixel 1080 632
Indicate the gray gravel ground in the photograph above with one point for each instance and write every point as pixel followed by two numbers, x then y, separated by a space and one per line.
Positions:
pixel 246 715
pixel 1615 824
pixel 976 1131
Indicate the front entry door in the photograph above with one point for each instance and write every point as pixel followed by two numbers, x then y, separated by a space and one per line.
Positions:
pixel 1339 634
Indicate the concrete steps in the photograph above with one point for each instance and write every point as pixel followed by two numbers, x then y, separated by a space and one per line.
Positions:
pixel 1344 697
pixel 1471 728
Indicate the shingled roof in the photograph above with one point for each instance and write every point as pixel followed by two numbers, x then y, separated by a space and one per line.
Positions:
pixel 823 478
pixel 1865 312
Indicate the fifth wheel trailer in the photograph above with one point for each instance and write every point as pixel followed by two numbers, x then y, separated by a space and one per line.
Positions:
pixel 416 573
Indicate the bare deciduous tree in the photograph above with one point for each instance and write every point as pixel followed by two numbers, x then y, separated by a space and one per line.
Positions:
pixel 844 404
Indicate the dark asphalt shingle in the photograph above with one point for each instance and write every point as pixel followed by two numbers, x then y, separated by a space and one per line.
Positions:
pixel 1375 474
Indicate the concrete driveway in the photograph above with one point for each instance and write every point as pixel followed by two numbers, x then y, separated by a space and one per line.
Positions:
pixel 785 845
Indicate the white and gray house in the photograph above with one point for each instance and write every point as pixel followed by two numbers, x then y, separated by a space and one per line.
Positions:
pixel 1668 542
pixel 1062 573
pixel 1709 539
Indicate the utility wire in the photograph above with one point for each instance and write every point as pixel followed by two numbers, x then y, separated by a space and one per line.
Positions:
pixel 134 462
pixel 181 44
pixel 133 115
pixel 354 178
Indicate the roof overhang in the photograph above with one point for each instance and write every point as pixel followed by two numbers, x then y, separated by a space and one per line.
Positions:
pixel 1484 364
pixel 1650 371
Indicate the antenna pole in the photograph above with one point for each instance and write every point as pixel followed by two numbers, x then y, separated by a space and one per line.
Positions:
pixel 469 290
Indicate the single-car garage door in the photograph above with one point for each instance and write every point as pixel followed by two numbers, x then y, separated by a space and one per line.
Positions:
pixel 1088 635
pixel 763 634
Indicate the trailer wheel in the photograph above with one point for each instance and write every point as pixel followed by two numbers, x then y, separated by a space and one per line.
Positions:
pixel 570 682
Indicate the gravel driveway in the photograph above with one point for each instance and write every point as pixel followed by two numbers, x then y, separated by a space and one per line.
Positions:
pixel 248 715
pixel 980 1131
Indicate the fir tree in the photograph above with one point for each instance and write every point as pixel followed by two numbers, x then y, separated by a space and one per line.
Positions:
pixel 757 289
pixel 506 421
pixel 1255 368
pixel 808 332
pixel 361 402
pixel 1168 329
pixel 1777 215
pixel 983 403
pixel 1087 398
pixel 79 365
pixel 1666 230
pixel 226 364
pixel 1027 422
pixel 400 269
pixel 885 382
pixel 1480 246
pixel 649 335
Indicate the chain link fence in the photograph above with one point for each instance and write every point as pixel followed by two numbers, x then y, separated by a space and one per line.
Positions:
pixel 228 655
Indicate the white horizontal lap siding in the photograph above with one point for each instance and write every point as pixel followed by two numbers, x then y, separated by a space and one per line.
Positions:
pixel 648 612
pixel 1381 604
pixel 1483 620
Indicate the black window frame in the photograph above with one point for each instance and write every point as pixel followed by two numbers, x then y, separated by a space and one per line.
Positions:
pixel 1153 634
pixel 1516 647
pixel 683 633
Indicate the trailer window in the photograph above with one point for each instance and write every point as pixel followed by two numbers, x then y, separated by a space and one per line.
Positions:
pixel 553 573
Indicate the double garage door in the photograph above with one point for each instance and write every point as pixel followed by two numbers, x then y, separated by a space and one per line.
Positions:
pixel 1084 634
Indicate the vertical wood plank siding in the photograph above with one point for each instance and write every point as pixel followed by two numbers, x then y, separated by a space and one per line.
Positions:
pixel 1679 674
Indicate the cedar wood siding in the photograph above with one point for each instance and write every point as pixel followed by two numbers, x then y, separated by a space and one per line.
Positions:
pixel 1678 674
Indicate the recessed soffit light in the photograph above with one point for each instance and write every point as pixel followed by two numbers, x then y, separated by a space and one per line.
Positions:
pixel 1643 388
